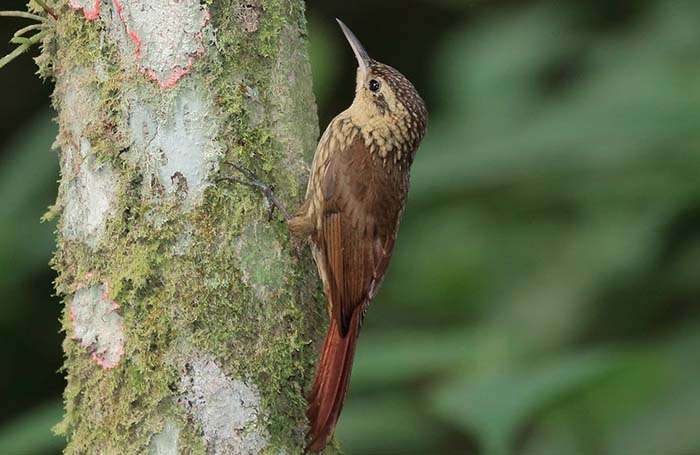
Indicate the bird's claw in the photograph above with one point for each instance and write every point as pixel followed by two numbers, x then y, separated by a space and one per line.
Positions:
pixel 251 180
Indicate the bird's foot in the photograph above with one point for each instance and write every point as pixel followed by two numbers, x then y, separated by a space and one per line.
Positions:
pixel 248 178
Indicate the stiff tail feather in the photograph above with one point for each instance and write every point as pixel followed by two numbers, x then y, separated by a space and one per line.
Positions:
pixel 331 383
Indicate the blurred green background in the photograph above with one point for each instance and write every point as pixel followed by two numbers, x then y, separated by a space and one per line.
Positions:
pixel 543 295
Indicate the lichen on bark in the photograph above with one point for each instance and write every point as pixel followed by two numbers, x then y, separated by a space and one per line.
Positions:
pixel 215 310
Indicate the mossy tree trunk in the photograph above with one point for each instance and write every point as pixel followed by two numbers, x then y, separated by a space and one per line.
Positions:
pixel 191 325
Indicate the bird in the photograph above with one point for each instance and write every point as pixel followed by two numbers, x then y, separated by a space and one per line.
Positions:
pixel 355 198
pixel 354 202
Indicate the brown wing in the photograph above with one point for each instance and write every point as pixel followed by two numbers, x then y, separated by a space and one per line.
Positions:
pixel 362 202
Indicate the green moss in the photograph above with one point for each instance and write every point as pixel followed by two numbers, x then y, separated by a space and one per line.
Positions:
pixel 78 40
pixel 247 60
pixel 220 279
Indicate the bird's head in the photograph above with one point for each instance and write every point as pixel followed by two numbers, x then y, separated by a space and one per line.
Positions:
pixel 384 95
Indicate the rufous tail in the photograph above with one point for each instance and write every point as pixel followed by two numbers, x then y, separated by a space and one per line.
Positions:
pixel 331 383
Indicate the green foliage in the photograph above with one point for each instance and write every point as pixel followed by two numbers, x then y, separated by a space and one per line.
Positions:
pixel 27 178
pixel 27 186
pixel 497 406
pixel 29 434
pixel 42 27
pixel 554 205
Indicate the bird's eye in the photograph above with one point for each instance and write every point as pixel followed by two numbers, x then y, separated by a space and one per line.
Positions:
pixel 374 85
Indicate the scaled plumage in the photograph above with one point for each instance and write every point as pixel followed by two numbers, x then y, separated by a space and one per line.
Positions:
pixel 355 198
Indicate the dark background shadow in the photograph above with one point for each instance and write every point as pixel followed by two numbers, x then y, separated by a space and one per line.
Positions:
pixel 543 298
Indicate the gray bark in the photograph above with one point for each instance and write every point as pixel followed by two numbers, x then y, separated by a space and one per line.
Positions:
pixel 191 326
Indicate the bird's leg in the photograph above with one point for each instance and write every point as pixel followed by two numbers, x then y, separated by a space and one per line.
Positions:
pixel 299 227
pixel 248 178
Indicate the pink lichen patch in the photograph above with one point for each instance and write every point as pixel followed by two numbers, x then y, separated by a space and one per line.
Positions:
pixel 91 8
pixel 97 325
pixel 167 36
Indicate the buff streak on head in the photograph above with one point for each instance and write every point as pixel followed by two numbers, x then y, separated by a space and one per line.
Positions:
pixel 386 103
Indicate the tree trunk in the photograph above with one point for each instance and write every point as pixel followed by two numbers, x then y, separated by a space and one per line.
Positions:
pixel 191 325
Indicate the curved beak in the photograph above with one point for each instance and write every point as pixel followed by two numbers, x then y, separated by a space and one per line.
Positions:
pixel 357 48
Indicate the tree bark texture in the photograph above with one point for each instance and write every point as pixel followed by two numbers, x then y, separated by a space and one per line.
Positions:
pixel 191 324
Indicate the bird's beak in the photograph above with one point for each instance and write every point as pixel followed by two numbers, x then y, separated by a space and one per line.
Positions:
pixel 357 48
